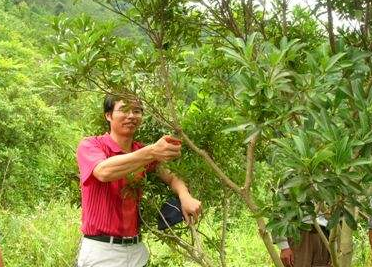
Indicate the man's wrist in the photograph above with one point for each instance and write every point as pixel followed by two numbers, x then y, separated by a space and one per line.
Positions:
pixel 150 152
pixel 184 194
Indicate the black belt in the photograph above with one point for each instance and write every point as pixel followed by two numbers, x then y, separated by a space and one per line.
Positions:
pixel 116 240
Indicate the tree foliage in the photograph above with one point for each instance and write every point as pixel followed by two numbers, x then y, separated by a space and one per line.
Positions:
pixel 274 110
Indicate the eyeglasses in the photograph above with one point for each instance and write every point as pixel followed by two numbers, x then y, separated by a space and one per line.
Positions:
pixel 136 111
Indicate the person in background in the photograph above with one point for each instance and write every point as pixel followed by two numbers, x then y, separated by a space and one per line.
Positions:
pixel 310 251
pixel 111 168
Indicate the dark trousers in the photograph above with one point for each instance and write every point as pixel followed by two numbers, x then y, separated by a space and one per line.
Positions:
pixel 310 252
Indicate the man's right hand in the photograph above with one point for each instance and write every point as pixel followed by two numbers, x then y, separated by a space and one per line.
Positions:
pixel 287 257
pixel 167 148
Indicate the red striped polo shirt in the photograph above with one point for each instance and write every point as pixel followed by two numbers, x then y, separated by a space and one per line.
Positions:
pixel 105 211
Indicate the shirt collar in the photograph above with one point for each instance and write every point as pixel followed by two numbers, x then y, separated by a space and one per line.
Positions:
pixel 111 143
pixel 107 139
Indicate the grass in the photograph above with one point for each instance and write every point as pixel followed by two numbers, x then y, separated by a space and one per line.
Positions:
pixel 49 236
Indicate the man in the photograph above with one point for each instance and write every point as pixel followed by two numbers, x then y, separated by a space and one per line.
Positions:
pixel 111 168
pixel 310 251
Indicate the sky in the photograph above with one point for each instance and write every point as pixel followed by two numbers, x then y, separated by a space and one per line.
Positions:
pixel 337 22
pixel 306 3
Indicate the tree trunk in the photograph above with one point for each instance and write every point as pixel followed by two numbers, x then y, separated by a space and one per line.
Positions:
pixel 367 18
pixel 247 8
pixel 333 237
pixel 346 245
pixel 242 193
pixel 331 34
pixel 265 235
pixel 284 17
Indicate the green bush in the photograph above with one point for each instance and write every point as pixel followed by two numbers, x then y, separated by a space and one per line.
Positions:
pixel 47 236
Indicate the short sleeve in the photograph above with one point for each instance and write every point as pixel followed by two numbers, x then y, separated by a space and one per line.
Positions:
pixel 89 154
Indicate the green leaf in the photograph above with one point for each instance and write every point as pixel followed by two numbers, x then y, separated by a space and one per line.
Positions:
pixel 249 47
pixel 294 182
pixel 349 219
pixel 238 128
pixel 252 134
pixel 326 194
pixel 321 156
pixel 300 145
pixel 333 60
pixel 351 185
pixel 359 162
pixel 301 196
pixel 234 55
pixel 364 121
pixel 335 218
pixel 269 92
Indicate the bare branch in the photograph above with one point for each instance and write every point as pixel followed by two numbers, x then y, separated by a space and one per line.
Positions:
pixel 321 234
pixel 220 174
pixel 119 12
pixel 284 16
pixel 330 27
pixel 250 162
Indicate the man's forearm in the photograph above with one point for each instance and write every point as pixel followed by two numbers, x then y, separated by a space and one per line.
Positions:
pixel 190 206
pixel 175 183
pixel 179 187
pixel 119 166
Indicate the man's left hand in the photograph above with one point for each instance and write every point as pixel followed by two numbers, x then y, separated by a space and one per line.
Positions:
pixel 190 207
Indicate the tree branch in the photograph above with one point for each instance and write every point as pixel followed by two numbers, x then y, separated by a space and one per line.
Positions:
pixel 220 174
pixel 330 29
pixel 250 162
pixel 333 236
pixel 284 17
pixel 322 235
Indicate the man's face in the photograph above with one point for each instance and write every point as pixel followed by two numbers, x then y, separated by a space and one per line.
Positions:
pixel 125 118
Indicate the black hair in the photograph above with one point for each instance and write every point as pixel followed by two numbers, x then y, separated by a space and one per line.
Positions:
pixel 109 104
